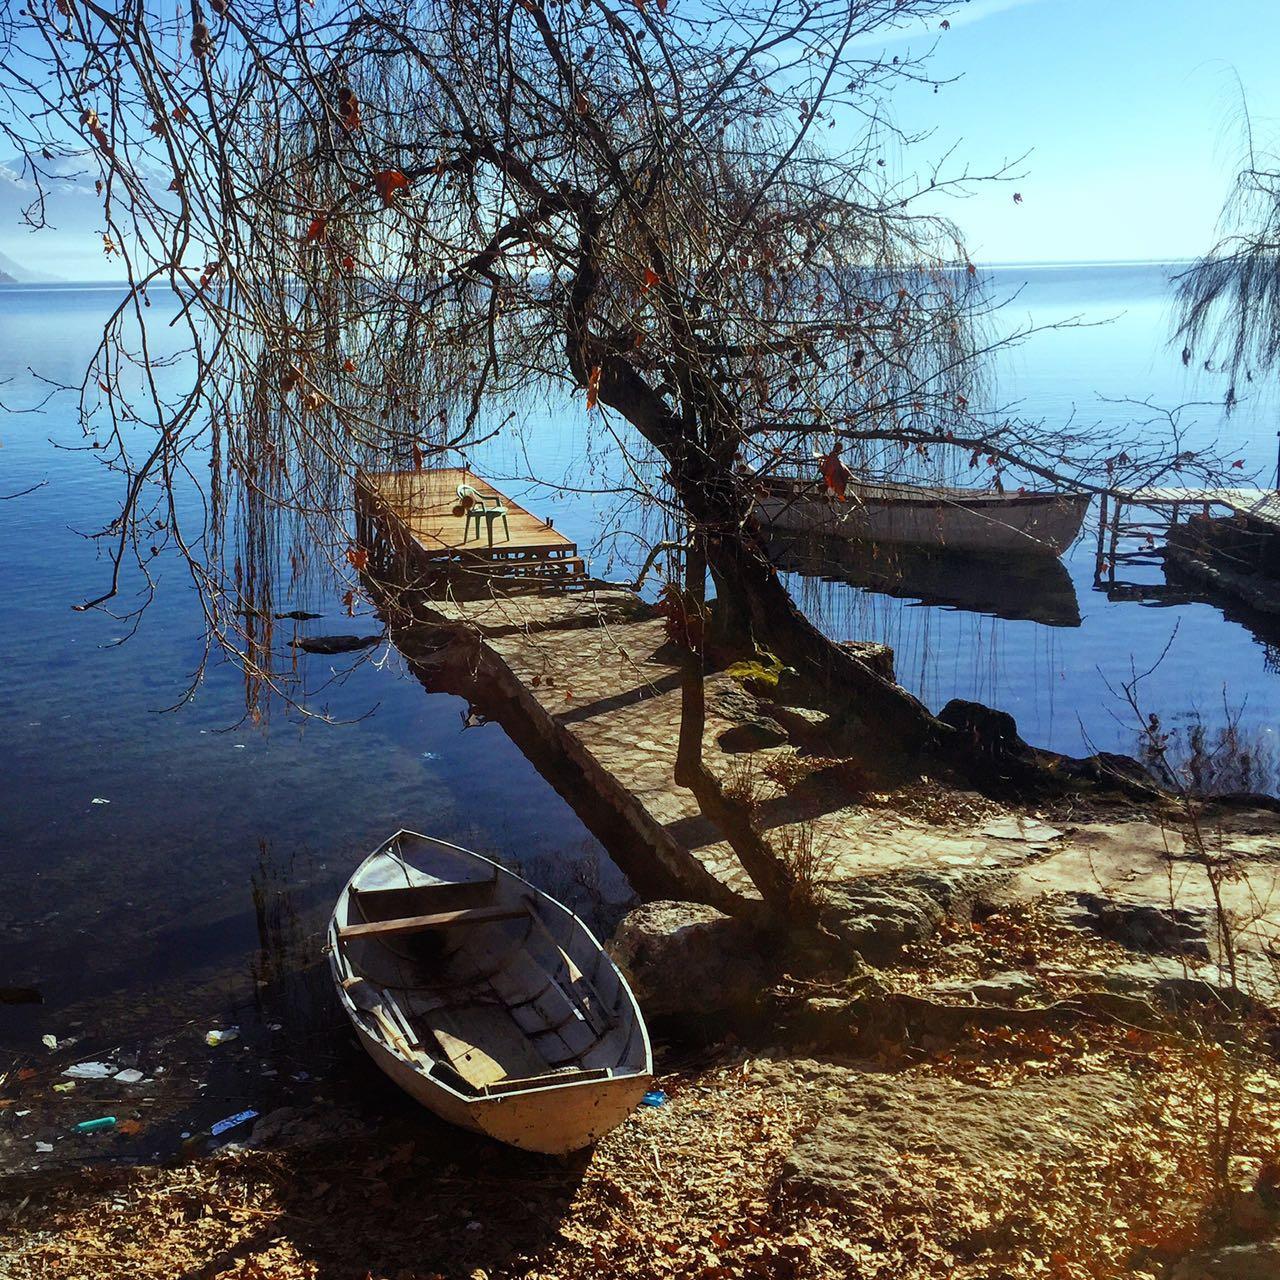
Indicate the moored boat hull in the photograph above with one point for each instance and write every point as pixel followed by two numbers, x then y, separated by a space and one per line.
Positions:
pixel 966 520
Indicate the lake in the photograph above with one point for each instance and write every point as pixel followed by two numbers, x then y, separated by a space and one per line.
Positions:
pixel 158 863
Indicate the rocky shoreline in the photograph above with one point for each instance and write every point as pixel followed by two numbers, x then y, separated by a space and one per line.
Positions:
pixel 1014 1070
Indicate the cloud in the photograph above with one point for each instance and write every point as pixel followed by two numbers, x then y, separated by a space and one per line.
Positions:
pixel 961 16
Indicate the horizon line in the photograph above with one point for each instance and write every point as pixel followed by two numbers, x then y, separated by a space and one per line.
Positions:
pixel 1031 264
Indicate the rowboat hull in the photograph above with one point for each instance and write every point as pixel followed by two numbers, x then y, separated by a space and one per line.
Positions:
pixel 965 520
pixel 485 999
pixel 552 1121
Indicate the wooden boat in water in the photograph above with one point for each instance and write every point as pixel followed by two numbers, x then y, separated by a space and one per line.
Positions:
pixel 917 515
pixel 485 999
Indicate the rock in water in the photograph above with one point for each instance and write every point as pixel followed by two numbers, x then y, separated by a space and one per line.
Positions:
pixel 686 958
pixel 334 644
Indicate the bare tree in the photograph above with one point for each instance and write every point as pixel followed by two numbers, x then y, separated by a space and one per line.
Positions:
pixel 1228 302
pixel 380 224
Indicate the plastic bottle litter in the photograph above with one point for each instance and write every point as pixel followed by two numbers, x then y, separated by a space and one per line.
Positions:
pixel 95 1125
pixel 231 1122
pixel 49 1042
pixel 216 1037
pixel 130 1075
pixel 654 1098
pixel 91 1070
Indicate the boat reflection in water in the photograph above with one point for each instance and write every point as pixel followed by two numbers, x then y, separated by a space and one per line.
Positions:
pixel 1019 588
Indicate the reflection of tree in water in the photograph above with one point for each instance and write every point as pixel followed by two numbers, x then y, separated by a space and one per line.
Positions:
pixel 937 653
pixel 282 940
pixel 1211 761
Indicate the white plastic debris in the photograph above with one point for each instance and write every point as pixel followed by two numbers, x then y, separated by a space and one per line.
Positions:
pixel 232 1122
pixel 99 800
pixel 130 1075
pixel 216 1037
pixel 44 1147
pixel 49 1042
pixel 91 1070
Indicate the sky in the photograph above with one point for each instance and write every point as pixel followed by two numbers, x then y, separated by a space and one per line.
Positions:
pixel 1127 110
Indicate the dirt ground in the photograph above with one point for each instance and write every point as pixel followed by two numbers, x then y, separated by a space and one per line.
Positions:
pixel 1077 1150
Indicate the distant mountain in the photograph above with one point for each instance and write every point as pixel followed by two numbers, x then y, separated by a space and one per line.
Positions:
pixel 69 245
pixel 14 273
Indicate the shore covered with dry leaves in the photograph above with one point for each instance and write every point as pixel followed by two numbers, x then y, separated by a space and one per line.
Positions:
pixel 1050 1138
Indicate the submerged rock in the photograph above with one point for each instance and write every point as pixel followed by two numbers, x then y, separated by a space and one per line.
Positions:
pixel 334 644
pixel 686 958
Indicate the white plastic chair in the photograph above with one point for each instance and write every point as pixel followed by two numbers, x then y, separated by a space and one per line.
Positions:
pixel 478 510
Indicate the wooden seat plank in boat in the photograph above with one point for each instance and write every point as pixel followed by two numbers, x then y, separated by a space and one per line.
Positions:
pixel 440 920
pixel 403 901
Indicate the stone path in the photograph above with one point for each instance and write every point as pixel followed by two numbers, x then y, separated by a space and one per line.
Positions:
pixel 595 667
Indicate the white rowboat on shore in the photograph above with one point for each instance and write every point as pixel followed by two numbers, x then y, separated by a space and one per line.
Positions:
pixel 485 999
pixel 916 515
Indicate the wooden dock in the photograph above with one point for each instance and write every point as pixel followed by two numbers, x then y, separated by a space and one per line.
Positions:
pixel 1127 538
pixel 409 523
pixel 1262 505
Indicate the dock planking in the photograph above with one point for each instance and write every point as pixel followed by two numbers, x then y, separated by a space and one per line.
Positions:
pixel 413 512
pixel 1262 505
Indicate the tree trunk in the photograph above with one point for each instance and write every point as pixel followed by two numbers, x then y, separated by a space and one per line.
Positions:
pixel 733 817
pixel 719 503
pixel 723 504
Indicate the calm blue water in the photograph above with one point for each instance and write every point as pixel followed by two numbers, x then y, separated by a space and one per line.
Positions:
pixel 111 907
pixel 1062 683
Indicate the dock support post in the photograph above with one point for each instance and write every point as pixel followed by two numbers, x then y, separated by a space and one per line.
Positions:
pixel 1099 556
pixel 1115 538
